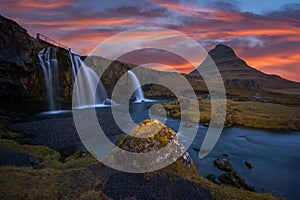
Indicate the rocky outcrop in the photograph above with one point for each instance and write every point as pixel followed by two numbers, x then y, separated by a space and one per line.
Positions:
pixel 247 83
pixel 15 59
pixel 21 77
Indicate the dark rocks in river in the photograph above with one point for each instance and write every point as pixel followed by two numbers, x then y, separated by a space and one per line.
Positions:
pixel 234 179
pixel 223 164
pixel 132 99
pixel 211 177
pixel 225 154
pixel 231 177
pixel 249 165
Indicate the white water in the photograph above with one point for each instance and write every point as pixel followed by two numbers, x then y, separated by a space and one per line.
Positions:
pixel 49 64
pixel 136 84
pixel 85 85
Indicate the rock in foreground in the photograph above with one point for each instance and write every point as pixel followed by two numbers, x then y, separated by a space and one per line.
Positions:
pixel 155 143
pixel 231 177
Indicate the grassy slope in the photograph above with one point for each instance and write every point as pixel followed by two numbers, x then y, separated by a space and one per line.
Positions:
pixel 248 113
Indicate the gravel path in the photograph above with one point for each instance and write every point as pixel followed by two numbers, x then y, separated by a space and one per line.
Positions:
pixel 137 186
pixel 60 133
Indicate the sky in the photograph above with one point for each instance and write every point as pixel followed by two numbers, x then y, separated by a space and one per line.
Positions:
pixel 265 33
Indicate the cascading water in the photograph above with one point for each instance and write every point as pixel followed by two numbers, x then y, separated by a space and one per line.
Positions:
pixel 85 85
pixel 49 64
pixel 136 84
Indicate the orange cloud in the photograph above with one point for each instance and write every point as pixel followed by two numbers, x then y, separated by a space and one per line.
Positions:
pixel 75 24
pixel 285 64
pixel 63 21
pixel 27 5
pixel 44 4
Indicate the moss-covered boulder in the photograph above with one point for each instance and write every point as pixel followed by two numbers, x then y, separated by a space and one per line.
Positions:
pixel 147 139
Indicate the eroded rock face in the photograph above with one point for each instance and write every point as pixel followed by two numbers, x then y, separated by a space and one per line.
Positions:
pixel 15 59
pixel 146 138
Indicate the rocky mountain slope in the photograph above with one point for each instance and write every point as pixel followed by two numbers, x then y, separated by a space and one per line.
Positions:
pixel 236 71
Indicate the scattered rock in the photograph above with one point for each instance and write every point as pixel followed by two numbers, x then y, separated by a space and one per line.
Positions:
pixel 187 160
pixel 256 96
pixel 84 153
pixel 211 177
pixel 67 151
pixel 132 99
pixel 207 97
pixel 249 165
pixel 35 163
pixel 225 154
pixel 234 179
pixel 231 177
pixel 223 164
pixel 247 83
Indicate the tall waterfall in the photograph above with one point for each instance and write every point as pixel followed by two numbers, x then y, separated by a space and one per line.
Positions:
pixel 49 64
pixel 136 84
pixel 85 85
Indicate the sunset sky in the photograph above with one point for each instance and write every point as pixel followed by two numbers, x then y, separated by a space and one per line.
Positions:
pixel 265 33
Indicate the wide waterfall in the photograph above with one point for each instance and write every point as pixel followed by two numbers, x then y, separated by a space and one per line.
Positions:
pixel 88 87
pixel 139 95
pixel 48 62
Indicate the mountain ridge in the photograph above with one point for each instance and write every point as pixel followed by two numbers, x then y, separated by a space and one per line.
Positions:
pixel 234 69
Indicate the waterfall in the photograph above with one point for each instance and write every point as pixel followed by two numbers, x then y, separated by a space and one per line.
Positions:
pixel 87 82
pixel 49 64
pixel 136 84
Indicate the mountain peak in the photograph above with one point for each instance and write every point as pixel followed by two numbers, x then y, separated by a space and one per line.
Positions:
pixel 223 50
pixel 234 70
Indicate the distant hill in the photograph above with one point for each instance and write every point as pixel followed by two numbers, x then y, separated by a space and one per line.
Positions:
pixel 236 71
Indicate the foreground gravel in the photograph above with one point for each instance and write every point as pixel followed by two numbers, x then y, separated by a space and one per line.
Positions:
pixel 137 186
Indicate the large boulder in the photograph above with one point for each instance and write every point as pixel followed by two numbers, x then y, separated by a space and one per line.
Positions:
pixel 148 137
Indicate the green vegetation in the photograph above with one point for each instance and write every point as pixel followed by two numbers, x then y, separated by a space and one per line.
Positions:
pixel 249 113
pixel 54 179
